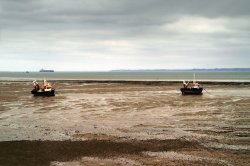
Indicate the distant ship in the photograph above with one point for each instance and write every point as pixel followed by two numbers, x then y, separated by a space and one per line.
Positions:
pixel 43 70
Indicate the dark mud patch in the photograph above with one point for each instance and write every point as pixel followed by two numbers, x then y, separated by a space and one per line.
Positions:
pixel 44 152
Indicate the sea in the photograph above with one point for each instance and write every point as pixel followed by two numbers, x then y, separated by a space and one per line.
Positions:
pixel 135 76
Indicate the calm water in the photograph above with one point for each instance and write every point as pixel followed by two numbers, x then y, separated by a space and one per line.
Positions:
pixel 168 76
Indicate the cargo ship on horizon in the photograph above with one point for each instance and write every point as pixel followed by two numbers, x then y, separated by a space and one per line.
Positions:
pixel 43 70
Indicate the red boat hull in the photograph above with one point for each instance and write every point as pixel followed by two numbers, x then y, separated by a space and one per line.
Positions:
pixel 191 91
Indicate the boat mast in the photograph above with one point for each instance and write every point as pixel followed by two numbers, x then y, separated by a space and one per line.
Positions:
pixel 194 79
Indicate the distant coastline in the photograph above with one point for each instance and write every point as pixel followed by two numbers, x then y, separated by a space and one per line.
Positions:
pixel 207 75
pixel 187 70
pixel 143 70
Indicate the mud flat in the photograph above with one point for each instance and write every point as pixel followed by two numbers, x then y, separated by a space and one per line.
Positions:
pixel 124 123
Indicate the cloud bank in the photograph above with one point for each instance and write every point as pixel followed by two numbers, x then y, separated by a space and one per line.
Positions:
pixel 123 34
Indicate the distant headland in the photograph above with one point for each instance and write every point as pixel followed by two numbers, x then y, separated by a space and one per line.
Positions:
pixel 186 70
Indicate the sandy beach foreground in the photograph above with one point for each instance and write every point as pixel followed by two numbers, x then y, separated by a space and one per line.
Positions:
pixel 124 123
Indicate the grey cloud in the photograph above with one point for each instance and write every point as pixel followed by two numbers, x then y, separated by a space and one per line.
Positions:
pixel 118 12
pixel 111 15
pixel 124 28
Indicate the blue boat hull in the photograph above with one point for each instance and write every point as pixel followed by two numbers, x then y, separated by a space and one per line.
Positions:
pixel 191 91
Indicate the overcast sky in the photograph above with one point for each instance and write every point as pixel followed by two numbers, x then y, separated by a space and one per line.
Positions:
pixel 90 35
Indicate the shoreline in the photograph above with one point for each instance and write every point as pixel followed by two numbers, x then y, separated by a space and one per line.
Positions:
pixel 144 82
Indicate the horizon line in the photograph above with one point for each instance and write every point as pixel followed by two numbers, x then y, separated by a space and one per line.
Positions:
pixel 143 69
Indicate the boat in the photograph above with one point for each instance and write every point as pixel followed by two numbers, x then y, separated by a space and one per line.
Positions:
pixel 193 89
pixel 47 89
pixel 43 70
pixel 43 93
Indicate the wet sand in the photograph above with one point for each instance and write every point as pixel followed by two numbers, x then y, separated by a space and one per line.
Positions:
pixel 124 123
